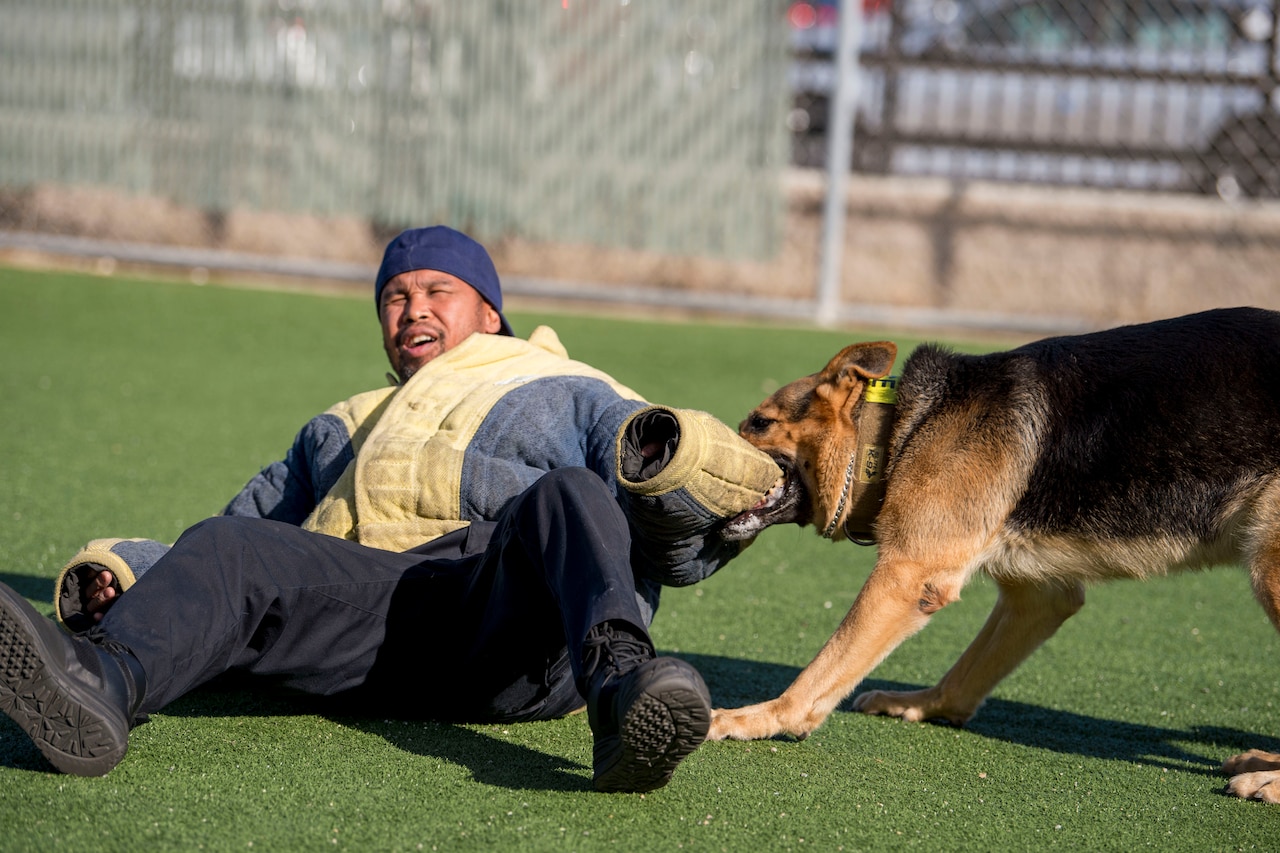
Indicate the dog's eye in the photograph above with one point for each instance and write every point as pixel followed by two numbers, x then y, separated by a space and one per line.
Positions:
pixel 757 422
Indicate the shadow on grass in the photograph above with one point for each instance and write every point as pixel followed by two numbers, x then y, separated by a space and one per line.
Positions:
pixel 29 586
pixel 491 759
pixel 736 682
pixel 494 760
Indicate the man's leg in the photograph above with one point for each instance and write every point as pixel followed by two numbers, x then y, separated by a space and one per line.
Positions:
pixel 557 576
pixel 243 594
pixel 260 597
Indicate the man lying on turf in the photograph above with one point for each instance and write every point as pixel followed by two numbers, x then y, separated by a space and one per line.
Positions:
pixel 484 541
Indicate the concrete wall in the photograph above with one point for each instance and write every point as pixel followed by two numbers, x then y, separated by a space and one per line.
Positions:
pixel 1021 257
pixel 1101 257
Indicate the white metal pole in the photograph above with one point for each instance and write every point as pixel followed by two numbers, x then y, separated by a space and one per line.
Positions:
pixel 839 150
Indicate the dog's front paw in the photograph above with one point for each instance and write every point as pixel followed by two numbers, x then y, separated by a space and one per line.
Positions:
pixel 721 728
pixel 754 722
pixel 734 723
pixel 914 706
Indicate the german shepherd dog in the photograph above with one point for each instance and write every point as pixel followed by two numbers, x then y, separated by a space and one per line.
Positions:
pixel 1126 453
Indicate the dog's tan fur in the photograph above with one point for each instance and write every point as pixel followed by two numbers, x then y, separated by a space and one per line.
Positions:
pixel 955 474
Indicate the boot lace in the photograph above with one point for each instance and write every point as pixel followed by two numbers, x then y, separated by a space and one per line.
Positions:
pixel 614 649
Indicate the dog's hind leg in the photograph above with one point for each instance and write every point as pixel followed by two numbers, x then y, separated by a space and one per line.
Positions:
pixel 1256 774
pixel 1262 551
pixel 1024 617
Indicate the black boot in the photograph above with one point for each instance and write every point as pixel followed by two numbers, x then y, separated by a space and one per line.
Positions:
pixel 75 698
pixel 647 713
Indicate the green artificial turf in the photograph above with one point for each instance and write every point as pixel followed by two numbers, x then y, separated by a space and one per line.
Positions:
pixel 135 408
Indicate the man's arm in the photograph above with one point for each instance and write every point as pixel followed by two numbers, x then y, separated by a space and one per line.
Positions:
pixel 289 490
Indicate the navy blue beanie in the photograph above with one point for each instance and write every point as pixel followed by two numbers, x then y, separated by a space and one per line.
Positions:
pixel 446 250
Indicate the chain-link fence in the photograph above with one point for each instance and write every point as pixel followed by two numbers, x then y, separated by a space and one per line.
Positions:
pixel 651 124
pixel 1147 94
pixel 637 150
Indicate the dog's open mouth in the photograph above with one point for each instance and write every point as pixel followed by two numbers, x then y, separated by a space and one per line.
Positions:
pixel 787 501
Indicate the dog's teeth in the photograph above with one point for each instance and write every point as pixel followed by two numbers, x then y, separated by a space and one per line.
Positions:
pixel 773 495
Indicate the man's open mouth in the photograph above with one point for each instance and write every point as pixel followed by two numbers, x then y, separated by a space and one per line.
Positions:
pixel 787 501
pixel 420 339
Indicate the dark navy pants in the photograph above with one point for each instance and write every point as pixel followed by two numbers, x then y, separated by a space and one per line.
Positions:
pixel 486 623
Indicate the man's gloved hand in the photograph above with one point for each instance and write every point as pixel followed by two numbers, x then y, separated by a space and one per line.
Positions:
pixel 71 590
pixel 662 449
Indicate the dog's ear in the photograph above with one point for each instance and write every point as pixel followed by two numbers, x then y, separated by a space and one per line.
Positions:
pixel 870 361
pixel 842 378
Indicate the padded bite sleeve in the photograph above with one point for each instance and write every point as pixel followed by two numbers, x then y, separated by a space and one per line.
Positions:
pixel 697 474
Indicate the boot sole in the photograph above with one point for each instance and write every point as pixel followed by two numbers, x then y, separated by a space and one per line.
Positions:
pixel 68 722
pixel 666 721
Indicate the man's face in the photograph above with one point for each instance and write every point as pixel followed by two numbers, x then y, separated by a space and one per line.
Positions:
pixel 426 313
